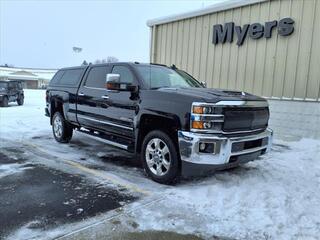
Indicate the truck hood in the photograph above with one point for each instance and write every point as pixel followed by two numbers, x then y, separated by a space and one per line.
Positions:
pixel 211 95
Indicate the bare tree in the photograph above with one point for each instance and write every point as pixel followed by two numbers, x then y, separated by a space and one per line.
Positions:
pixel 84 63
pixel 111 59
pixel 7 65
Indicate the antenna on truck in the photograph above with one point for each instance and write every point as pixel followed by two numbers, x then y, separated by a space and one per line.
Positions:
pixel 174 67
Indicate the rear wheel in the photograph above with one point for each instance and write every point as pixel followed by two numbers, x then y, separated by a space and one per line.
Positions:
pixel 62 131
pixel 20 100
pixel 160 157
pixel 5 102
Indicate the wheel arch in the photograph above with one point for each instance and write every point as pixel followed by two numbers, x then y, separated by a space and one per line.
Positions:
pixel 56 105
pixel 149 122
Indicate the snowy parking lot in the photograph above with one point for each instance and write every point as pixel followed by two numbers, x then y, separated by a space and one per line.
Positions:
pixel 275 197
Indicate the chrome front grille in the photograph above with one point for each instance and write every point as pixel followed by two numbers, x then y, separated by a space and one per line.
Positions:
pixel 245 119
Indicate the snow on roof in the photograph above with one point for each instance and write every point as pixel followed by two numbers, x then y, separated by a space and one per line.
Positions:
pixel 229 4
pixel 27 73
pixel 23 73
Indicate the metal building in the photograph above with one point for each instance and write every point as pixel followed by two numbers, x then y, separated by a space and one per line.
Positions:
pixel 267 47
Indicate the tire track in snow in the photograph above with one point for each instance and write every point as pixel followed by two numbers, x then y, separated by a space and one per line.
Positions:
pixel 47 157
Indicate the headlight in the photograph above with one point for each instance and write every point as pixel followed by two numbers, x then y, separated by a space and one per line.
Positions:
pixel 202 110
pixel 203 117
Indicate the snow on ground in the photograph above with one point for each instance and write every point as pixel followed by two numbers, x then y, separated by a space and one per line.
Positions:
pixel 19 122
pixel 276 197
pixel 9 169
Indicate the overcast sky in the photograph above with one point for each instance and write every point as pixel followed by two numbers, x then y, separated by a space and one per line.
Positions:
pixel 42 33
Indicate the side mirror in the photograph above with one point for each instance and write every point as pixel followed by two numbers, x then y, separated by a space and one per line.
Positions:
pixel 204 84
pixel 113 83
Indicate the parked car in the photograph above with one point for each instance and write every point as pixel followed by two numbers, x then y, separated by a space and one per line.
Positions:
pixel 165 116
pixel 11 91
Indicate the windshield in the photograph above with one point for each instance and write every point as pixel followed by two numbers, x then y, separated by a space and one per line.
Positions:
pixel 3 85
pixel 158 76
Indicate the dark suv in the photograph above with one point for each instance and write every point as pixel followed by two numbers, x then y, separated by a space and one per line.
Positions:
pixel 11 91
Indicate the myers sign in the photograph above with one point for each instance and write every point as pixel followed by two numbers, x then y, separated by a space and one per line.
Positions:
pixel 222 34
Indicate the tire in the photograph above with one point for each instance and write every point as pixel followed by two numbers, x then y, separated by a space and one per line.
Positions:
pixel 5 102
pixel 20 100
pixel 61 129
pixel 160 158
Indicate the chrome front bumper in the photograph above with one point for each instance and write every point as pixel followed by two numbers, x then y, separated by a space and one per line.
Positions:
pixel 224 153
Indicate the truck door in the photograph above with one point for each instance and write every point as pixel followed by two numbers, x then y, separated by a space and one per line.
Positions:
pixel 122 105
pixel 91 108
pixel 104 110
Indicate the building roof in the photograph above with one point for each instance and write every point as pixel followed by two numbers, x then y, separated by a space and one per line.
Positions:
pixel 23 73
pixel 228 4
pixel 26 73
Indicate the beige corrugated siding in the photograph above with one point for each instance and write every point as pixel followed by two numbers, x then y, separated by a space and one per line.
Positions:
pixel 280 67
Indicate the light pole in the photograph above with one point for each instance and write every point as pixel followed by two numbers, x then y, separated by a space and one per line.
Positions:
pixel 77 50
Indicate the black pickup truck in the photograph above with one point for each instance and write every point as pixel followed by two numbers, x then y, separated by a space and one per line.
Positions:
pixel 11 91
pixel 171 121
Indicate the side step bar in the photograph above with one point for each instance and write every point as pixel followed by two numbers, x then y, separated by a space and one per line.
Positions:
pixel 103 139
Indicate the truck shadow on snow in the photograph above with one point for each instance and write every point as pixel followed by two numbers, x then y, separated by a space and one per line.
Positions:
pixel 129 162
pixel 103 157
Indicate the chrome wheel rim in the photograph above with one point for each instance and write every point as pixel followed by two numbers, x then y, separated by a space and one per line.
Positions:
pixel 158 157
pixel 57 127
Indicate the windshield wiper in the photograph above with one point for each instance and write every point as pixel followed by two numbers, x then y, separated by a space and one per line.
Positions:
pixel 155 88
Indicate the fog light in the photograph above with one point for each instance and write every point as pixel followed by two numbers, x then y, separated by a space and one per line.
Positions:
pixel 206 147
pixel 202 146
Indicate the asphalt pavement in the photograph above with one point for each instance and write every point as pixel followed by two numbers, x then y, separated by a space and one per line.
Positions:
pixel 44 198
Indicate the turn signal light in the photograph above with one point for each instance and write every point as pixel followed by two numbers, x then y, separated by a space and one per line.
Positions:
pixel 197 124
pixel 197 110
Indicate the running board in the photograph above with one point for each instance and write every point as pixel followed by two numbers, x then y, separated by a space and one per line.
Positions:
pixel 95 136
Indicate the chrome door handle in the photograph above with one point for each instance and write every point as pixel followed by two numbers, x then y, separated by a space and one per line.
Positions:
pixel 105 97
pixel 81 94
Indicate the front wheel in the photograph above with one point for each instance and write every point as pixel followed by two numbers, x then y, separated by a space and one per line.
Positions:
pixel 160 157
pixel 20 100
pixel 62 131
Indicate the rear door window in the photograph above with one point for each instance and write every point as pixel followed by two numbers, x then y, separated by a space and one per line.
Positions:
pixel 56 78
pixel 97 77
pixel 71 77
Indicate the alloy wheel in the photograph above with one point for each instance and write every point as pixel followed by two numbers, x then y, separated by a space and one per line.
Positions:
pixel 57 127
pixel 158 157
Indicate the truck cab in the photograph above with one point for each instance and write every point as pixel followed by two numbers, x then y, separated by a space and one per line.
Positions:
pixel 174 124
